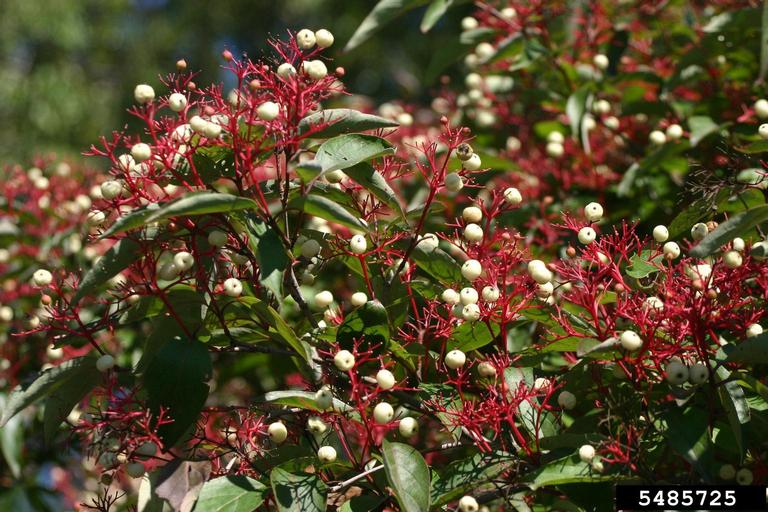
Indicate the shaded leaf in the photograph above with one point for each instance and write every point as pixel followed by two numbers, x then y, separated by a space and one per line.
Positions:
pixel 369 322
pixel 115 260
pixel 752 351
pixel 434 12
pixel 47 381
pixel 179 482
pixel 461 476
pixel 730 229
pixel 175 381
pixel 564 471
pixel 408 474
pixel 298 492
pixel 364 174
pixel 701 127
pixel 345 151
pixel 384 12
pixel 342 120
pixel 231 493
pixel 328 209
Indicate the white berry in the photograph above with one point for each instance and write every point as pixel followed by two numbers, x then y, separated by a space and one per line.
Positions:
pixel 268 111
pixel 490 294
pixel 306 39
pixel 732 259
pixel 587 453
pixel 587 235
pixel 454 182
pixel 674 132
pixel 763 131
pixel 486 369
pixel 385 379
pixel 141 152
pixel 513 196
pixel 450 296
pixel 358 299
pixel 677 373
pixel 671 250
pixel 660 233
pixel 183 261
pixel 754 330
pixel 469 296
pixel 600 61
pixel 538 270
pixel 698 373
pixel 471 270
pixel 408 427
pixel 468 504
pixel 143 94
pixel 473 163
pixel 471 312
pixel 233 287
pixel 324 38
pixel 383 413
pixel 455 359
pixel 593 212
pixel 177 102
pixel 111 189
pixel 326 454
pixel 315 69
pixel 323 299
pixel 473 233
pixel 657 137
pixel 555 149
pixel 761 108
pixel 357 244
pixel 472 214
pixel 324 398
pixel 566 400
pixel 344 360
pixel 744 476
pixel 105 363
pixel 727 472
pixel 630 340
pixel 699 231
pixel 277 432
pixel 217 238
pixel 42 278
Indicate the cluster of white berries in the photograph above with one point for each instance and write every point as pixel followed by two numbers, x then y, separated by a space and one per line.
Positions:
pixel 555 141
pixel 204 127
pixel 677 373
pixel 743 476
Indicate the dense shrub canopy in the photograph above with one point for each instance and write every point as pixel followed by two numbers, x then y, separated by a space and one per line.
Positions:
pixel 549 280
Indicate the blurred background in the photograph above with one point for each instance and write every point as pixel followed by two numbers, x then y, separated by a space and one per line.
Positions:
pixel 68 67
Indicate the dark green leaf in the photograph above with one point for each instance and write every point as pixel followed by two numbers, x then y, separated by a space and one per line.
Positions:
pixel 116 259
pixel 564 471
pixel 730 229
pixel 435 11
pixel 687 433
pixel 575 108
pixel 345 151
pixel 273 260
pixel 300 399
pixel 339 121
pixel 735 404
pixel 176 382
pixel 12 441
pixel 408 474
pixel 191 204
pixel 437 263
pixel 65 397
pixel 365 175
pixel 752 351
pixel 461 476
pixel 761 146
pixel 368 322
pixel 384 12
pixel 298 492
pixel 325 208
pixel 701 127
pixel 46 383
pixel 233 493
pixel 471 336
pixel 282 331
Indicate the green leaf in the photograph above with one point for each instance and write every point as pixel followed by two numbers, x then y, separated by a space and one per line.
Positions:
pixel 308 171
pixel 345 151
pixel 752 351
pixel 369 322
pixel 735 404
pixel 564 471
pixel 461 476
pixel 437 263
pixel 328 209
pixel 279 328
pixel 175 381
pixel 575 108
pixel 47 382
pixel 191 204
pixel 365 175
pixel 408 474
pixel 340 121
pixel 641 267
pixel 730 229
pixel 701 127
pixel 66 396
pixel 300 399
pixel 362 503
pixel 383 13
pixel 233 493
pixel 472 335
pixel 298 492
pixel 764 44
pixel 435 11
pixel 273 260
pixel 687 433
pixel 115 260
pixel 760 146
pixel 12 441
